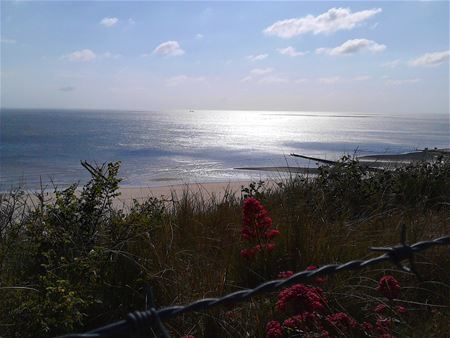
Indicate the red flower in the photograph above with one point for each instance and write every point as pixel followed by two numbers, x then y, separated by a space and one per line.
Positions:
pixel 307 321
pixel 380 308
pixel 270 247
pixel 252 208
pixel 318 280
pixel 274 329
pixel 389 287
pixel 301 298
pixel 324 334
pixel 248 253
pixel 401 309
pixel 272 233
pixel 342 321
pixel 382 325
pixel 285 274
pixel 367 327
pixel 257 228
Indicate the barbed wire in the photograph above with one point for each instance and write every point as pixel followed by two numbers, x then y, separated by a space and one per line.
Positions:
pixel 139 322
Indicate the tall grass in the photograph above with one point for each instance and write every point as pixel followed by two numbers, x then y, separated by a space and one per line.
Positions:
pixel 76 261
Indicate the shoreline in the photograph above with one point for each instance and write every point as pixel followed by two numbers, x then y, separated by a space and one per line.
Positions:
pixel 218 189
pixel 140 194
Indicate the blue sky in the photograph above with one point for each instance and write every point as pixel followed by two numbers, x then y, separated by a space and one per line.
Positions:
pixel 377 57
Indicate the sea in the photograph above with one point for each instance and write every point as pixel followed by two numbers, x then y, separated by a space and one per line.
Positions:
pixel 44 147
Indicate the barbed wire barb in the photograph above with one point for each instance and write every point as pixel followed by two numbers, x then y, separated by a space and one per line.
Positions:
pixel 401 252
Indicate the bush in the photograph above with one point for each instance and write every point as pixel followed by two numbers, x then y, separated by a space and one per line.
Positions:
pixel 76 261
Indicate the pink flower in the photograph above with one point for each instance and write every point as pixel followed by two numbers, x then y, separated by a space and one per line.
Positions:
pixel 274 329
pixel 389 287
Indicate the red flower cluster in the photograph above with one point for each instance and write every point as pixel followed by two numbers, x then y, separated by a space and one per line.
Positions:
pixel 274 329
pixel 301 298
pixel 306 321
pixel 383 325
pixel 257 227
pixel 389 287
pixel 342 322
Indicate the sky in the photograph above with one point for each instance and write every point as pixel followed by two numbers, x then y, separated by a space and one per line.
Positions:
pixel 365 56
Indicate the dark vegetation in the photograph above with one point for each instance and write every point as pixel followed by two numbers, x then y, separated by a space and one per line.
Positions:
pixel 77 261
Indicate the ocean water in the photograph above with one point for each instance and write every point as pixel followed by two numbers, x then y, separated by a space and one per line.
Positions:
pixel 160 148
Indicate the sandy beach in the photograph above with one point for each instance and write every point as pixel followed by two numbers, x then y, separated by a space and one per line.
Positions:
pixel 218 189
pixel 140 194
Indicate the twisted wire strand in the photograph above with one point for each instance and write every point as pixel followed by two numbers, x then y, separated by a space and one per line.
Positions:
pixel 146 319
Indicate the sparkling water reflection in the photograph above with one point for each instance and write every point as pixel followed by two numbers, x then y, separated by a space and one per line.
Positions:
pixel 158 148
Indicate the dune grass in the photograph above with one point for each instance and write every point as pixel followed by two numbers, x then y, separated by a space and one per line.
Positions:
pixel 78 262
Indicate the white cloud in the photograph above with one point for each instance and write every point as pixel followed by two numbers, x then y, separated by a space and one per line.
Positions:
pixel 273 79
pixel 430 59
pixel 199 36
pixel 181 79
pixel 333 20
pixel 169 48
pixel 84 55
pixel 300 80
pixel 108 55
pixel 109 22
pixel 8 41
pixel 353 46
pixel 261 71
pixel 246 78
pixel 362 78
pixel 131 21
pixel 391 64
pixel 393 82
pixel 329 80
pixel 176 80
pixel 290 51
pixel 257 57
pixel 257 73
